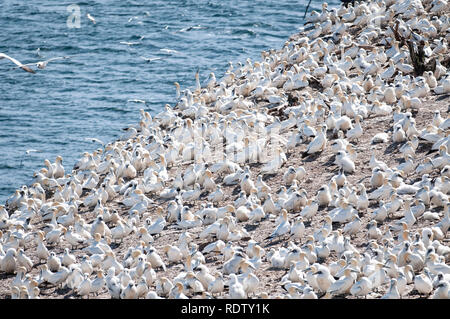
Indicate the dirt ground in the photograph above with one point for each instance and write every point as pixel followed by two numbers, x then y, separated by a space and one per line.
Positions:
pixel 319 170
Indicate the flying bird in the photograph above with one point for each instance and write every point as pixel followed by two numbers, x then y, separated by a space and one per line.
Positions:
pixel 19 64
pixel 94 140
pixel 129 43
pixel 136 101
pixel 32 151
pixel 148 60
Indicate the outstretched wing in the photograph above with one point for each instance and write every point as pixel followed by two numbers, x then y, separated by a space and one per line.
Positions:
pixel 20 65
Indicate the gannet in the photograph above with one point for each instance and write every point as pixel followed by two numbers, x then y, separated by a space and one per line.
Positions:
pixel 90 18
pixel 129 292
pixel 343 285
pixel 324 279
pixel 236 289
pixel 84 288
pixel 436 267
pixel 217 195
pixel 273 166
pixel 442 290
pixel 393 292
pixel 344 162
pixel 284 227
pixel 318 144
pixel 289 175
pixel 54 278
pixel 362 287
pixel 19 64
pixel 357 131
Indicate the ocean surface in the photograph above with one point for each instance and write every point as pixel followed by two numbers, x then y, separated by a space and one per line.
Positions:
pixel 100 87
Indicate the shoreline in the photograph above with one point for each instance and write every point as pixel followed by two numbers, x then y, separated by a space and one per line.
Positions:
pixel 311 82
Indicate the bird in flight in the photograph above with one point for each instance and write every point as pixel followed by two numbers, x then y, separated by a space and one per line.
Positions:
pixel 19 64
pixel 42 64
pixel 91 18
pixel 150 59
pixel 38 52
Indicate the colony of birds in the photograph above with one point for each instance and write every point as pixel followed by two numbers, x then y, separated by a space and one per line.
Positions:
pixel 265 183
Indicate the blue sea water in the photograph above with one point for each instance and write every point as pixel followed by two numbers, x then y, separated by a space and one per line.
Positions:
pixel 90 94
